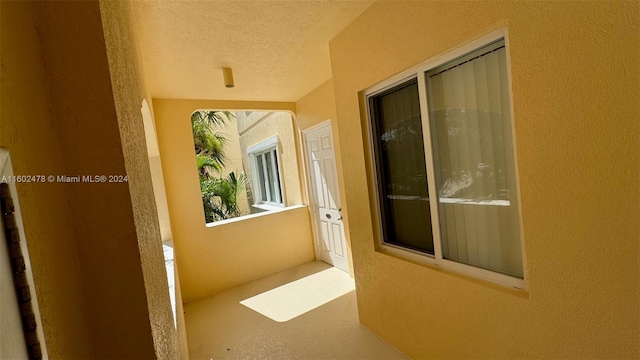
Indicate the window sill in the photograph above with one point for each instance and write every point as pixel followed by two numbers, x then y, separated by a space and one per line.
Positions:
pixel 268 207
pixel 489 277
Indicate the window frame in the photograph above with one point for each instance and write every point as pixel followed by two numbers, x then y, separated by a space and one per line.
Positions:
pixel 418 73
pixel 270 145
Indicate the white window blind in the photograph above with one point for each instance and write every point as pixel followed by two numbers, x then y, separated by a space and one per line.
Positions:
pixel 472 147
pixel 456 206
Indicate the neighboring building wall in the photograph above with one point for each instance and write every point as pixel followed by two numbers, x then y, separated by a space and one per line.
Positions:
pixel 260 126
pixel 233 152
pixel 312 109
pixel 213 258
pixel 575 78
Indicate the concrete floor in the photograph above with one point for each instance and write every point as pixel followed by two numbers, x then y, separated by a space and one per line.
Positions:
pixel 220 327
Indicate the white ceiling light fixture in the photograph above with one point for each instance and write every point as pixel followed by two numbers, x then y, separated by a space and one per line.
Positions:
pixel 227 73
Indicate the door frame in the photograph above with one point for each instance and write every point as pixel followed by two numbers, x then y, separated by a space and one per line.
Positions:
pixel 310 194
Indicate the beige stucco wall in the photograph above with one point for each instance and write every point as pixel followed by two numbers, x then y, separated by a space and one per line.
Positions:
pixel 246 119
pixel 95 248
pixel 27 121
pixel 128 84
pixel 317 106
pixel 312 109
pixel 259 129
pixel 214 258
pixel 575 74
pixel 160 196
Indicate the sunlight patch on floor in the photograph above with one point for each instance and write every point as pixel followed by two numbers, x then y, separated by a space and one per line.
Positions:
pixel 291 300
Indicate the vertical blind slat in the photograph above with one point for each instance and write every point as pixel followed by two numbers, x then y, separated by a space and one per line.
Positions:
pixel 470 118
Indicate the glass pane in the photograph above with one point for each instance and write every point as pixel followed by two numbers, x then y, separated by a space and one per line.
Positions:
pixel 475 175
pixel 278 188
pixel 401 170
pixel 262 185
pixel 271 176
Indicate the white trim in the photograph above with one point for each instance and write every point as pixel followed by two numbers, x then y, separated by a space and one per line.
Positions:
pixel 410 254
pixel 431 166
pixel 390 83
pixel 378 240
pixel 463 50
pixel 418 72
pixel 263 145
pixel 268 207
pixel 507 45
pixel 270 145
pixel 484 274
pixel 6 170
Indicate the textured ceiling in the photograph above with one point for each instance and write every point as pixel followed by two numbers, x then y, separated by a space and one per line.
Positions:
pixel 278 50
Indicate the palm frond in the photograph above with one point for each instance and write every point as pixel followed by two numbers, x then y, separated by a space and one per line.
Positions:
pixel 219 194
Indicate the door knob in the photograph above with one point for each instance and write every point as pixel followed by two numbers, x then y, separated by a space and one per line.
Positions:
pixel 328 216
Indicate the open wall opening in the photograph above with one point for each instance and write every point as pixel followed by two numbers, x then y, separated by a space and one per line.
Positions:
pixel 246 162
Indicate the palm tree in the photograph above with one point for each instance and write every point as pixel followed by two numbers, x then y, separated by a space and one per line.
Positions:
pixel 207 141
pixel 219 195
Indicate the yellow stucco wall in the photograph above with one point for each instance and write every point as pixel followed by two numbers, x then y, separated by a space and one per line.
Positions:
pixel 69 108
pixel 211 259
pixel 27 123
pixel 129 89
pixel 159 190
pixel 317 106
pixel 575 75
pixel 312 109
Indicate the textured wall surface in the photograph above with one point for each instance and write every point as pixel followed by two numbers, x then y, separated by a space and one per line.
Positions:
pixel 28 131
pixel 278 51
pixel 60 119
pixel 128 92
pixel 575 75
pixel 211 259
pixel 317 106
pixel 79 80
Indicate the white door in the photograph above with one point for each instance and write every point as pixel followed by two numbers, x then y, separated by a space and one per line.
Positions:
pixel 332 246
